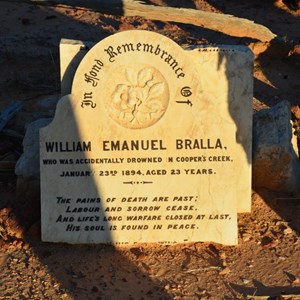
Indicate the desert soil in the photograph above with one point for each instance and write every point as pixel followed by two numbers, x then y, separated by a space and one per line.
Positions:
pixel 266 261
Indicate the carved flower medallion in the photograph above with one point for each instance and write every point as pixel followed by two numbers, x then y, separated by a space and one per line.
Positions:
pixel 140 98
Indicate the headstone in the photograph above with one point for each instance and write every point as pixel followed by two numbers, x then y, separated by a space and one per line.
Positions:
pixel 152 145
pixel 275 163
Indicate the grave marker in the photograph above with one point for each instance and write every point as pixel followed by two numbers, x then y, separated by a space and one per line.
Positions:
pixel 152 145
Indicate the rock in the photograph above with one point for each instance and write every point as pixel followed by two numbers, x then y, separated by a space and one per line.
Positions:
pixel 287 231
pixel 275 163
pixel 296 111
pixel 27 169
pixel 296 50
pixel 28 165
pixel 11 225
pixel 225 271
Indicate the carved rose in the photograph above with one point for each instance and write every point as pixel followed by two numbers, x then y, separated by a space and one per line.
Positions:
pixel 139 99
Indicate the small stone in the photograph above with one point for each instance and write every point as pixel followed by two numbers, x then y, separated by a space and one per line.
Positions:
pixel 26 246
pixel 246 237
pixel 266 240
pixel 223 255
pixel 246 281
pixel 296 50
pixel 136 251
pixel 14 227
pixel 296 281
pixel 225 271
pixel 282 258
pixel 296 110
pixel 287 231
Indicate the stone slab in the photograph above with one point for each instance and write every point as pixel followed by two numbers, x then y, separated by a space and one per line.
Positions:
pixel 275 161
pixel 71 53
pixel 151 145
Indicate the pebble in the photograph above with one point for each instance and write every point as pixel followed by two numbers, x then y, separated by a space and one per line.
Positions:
pixel 287 231
pixel 246 281
pixel 225 271
pixel 246 237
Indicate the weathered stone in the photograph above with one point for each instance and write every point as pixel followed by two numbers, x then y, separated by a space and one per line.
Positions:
pixel 27 169
pixel 155 146
pixel 10 224
pixel 28 165
pixel 275 163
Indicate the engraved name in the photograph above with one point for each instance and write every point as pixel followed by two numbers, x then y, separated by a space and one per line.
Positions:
pixel 133 145
pixel 68 146
pixel 159 144
pixel 199 144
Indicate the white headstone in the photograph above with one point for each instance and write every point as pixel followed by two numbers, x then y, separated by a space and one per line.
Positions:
pixel 153 145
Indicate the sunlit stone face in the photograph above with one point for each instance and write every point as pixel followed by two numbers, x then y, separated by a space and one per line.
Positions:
pixel 152 145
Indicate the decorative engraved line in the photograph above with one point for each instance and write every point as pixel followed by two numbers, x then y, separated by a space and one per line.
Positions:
pixel 188 102
pixel 215 50
pixel 137 182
